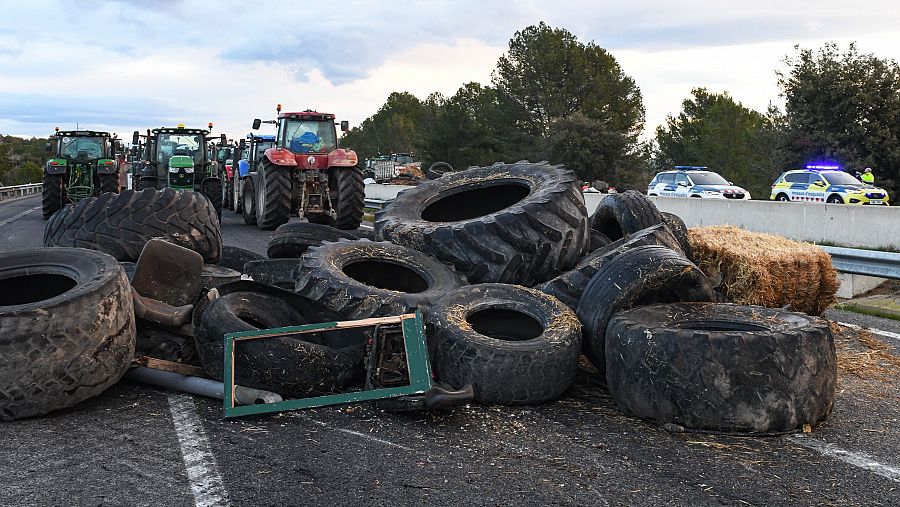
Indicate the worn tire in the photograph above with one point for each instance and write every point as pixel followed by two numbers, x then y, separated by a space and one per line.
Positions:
pixel 438 169
pixel 618 215
pixel 214 275
pixel 516 346
pixel 291 240
pixel 52 194
pixel 235 257
pixel 228 195
pixel 679 230
pixel 569 286
pixel 348 196
pixel 121 224
pixel 146 182
pixel 109 183
pixel 248 201
pixel 53 355
pixel 721 367
pixel 212 189
pixel 320 363
pixel 362 279
pixel 275 272
pixel 273 197
pixel 597 241
pixel 643 275
pixel 513 223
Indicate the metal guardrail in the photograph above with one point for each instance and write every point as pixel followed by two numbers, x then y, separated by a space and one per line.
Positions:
pixel 375 203
pixel 865 262
pixel 19 191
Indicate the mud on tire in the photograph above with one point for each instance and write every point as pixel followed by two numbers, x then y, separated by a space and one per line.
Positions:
pixel 513 223
pixel 361 279
pixel 348 196
pixel 273 197
pixel 618 215
pixel 721 367
pixel 679 230
pixel 51 363
pixel 121 224
pixel 212 189
pixel 515 345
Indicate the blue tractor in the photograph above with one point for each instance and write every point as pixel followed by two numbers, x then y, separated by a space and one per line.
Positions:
pixel 250 152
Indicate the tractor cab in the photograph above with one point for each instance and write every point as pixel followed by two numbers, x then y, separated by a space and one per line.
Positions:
pixel 82 164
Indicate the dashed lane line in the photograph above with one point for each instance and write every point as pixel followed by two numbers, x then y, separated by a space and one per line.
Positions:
pixel 879 332
pixel 857 459
pixel 199 461
pixel 20 215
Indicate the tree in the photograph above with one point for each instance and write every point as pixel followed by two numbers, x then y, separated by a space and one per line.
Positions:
pixel 843 107
pixel 465 128
pixel 394 128
pixel 715 131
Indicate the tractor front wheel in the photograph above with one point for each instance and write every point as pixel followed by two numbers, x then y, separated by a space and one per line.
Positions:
pixel 348 196
pixel 273 201
pixel 52 194
pixel 248 201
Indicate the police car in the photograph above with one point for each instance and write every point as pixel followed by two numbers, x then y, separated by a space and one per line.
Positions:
pixel 694 181
pixel 826 183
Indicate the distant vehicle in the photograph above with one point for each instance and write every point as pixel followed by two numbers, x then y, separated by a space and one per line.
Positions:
pixel 694 181
pixel 82 163
pixel 384 168
pixel 248 153
pixel 826 183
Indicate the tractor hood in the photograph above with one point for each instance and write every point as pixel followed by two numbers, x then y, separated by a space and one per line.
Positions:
pixel 336 158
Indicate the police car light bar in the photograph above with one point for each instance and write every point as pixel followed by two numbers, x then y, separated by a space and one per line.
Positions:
pixel 824 167
pixel 691 167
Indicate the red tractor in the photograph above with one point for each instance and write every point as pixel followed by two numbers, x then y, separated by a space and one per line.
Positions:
pixel 308 174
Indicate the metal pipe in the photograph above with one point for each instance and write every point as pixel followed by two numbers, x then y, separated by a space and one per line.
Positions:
pixel 198 385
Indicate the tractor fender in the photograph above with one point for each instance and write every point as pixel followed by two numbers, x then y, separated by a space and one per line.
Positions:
pixel 243 169
pixel 103 168
pixel 60 168
pixel 281 157
pixel 342 158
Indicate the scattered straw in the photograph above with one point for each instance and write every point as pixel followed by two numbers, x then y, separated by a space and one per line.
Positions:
pixel 764 269
pixel 863 356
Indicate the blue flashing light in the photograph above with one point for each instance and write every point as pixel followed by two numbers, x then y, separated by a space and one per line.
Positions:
pixel 821 167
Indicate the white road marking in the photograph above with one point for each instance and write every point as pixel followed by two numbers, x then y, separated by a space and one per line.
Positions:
pixel 856 459
pixel 20 215
pixel 202 470
pixel 367 227
pixel 872 330
pixel 354 433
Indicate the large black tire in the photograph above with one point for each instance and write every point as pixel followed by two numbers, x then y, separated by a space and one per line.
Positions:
pixel 517 223
pixel 52 194
pixel 228 195
pixel 438 169
pixel 235 257
pixel 618 215
pixel 212 189
pixel 361 279
pixel 273 197
pixel 248 201
pixel 146 182
pixel 597 240
pixel 679 230
pixel 279 273
pixel 121 224
pixel 516 346
pixel 52 353
pixel 236 195
pixel 291 240
pixel 214 275
pixel 721 367
pixel 109 182
pixel 641 276
pixel 569 286
pixel 348 196
pixel 319 363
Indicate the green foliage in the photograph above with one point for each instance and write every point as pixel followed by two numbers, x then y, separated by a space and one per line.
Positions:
pixel 843 107
pixel 395 128
pixel 464 131
pixel 715 131
pixel 21 160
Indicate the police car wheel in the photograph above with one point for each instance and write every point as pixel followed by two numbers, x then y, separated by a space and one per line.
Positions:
pixel 835 199
pixel 782 198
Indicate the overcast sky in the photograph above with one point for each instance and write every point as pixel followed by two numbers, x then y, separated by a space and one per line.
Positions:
pixel 121 66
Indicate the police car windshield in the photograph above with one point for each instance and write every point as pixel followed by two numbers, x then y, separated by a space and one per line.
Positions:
pixel 707 179
pixel 840 178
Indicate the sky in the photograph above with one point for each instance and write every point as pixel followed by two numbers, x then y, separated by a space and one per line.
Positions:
pixel 119 66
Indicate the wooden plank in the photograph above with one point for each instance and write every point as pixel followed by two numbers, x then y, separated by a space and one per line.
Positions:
pixel 162 364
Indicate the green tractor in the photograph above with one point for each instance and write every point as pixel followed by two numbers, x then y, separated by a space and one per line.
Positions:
pixel 82 164
pixel 179 158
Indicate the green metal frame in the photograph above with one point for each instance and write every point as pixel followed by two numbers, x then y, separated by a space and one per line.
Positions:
pixel 416 361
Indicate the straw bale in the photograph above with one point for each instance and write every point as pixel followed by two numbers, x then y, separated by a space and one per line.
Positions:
pixel 765 269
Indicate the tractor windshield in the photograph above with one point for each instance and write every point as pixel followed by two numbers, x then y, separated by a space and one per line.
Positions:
pixel 89 147
pixel 404 159
pixel 309 136
pixel 179 144
pixel 261 147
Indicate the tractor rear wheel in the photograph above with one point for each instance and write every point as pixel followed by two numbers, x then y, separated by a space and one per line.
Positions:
pixel 248 201
pixel 212 189
pixel 228 195
pixel 273 202
pixel 348 196
pixel 52 194
pixel 109 182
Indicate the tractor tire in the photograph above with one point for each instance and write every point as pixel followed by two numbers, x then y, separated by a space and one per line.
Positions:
pixel 53 355
pixel 362 279
pixel 109 183
pixel 147 182
pixel 52 194
pixel 519 223
pixel 273 197
pixel 721 367
pixel 641 276
pixel 212 189
pixel 514 345
pixel 679 230
pixel 597 241
pixel 569 286
pixel 279 273
pixel 348 196
pixel 438 169
pixel 248 201
pixel 293 239
pixel 235 257
pixel 228 196
pixel 618 215
pixel 121 224
pixel 214 275
pixel 319 363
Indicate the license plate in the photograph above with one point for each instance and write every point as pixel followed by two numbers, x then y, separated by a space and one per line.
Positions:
pixel 877 201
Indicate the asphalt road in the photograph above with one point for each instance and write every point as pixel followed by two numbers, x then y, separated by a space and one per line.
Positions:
pixel 139 445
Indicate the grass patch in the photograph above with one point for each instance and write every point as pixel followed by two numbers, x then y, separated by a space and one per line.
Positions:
pixel 867 310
